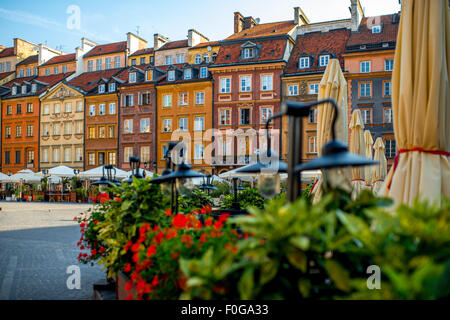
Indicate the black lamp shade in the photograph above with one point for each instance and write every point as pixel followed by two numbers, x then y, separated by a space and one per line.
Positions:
pixel 259 166
pixel 183 171
pixel 335 154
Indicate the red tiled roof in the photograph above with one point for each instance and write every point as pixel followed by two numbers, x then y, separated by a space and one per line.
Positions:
pixel 29 60
pixel 5 74
pixel 7 52
pixel 49 80
pixel 270 50
pixel 210 43
pixel 174 45
pixel 264 30
pixel 107 49
pixel 88 80
pixel 313 44
pixel 61 59
pixel 141 52
pixel 18 80
pixel 364 34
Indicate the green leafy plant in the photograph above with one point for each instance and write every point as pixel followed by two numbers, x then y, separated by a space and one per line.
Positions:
pixel 196 200
pixel 223 188
pixel 249 197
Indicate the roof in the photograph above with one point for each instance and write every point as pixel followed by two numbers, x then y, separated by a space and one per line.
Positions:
pixel 142 51
pixel 61 59
pixel 209 43
pixel 5 74
pixel 365 36
pixel 107 49
pixel 7 52
pixel 174 45
pixel 29 60
pixel 313 44
pixel 270 50
pixel 88 80
pixel 264 30
pixel 18 80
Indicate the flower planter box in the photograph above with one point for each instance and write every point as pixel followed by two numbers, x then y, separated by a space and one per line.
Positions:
pixel 121 282
pixel 73 196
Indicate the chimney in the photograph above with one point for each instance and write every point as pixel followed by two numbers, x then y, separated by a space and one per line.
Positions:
pixel 135 43
pixel 249 22
pixel 195 37
pixel 159 41
pixel 300 17
pixel 238 22
pixel 357 14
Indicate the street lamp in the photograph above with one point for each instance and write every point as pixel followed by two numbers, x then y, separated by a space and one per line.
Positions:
pixel 208 183
pixel 135 163
pixel 107 179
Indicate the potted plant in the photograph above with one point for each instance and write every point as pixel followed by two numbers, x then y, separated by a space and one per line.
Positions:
pixel 9 194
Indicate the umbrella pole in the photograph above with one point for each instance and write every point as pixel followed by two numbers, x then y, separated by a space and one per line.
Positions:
pixel 294 158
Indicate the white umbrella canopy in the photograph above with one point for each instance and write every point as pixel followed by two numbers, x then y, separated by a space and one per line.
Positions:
pixel 59 171
pixel 379 171
pixel 97 173
pixel 3 177
pixel 369 154
pixel 357 146
pixel 25 177
pixel 147 173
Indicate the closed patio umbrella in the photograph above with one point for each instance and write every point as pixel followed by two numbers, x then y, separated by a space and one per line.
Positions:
pixel 357 146
pixel 332 85
pixel 379 171
pixel 421 104
pixel 368 140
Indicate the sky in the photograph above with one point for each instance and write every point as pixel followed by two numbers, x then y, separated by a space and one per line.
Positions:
pixel 61 24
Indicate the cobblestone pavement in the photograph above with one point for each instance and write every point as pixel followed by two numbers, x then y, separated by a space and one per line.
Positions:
pixel 37 245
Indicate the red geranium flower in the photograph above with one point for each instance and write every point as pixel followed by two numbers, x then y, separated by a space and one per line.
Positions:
pixel 128 245
pixel 127 267
pixel 151 250
pixel 203 237
pixel 128 286
pixel 102 249
pixel 180 221
pixel 93 252
pixel 168 212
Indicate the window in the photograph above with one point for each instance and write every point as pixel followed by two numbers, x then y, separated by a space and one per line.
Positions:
pixel 99 64
pixel 28 72
pixel 56 108
pixel 266 82
pixel 313 88
pixel 146 98
pixel 68 107
pixel 387 89
pixel 199 148
pixel 90 65
pixel 30 130
pixel 67 128
pixel 312 145
pixel 388 115
pixel 388 65
pixel 7 157
pixel 145 154
pixel 198 59
pixel 56 155
pixel 18 157
pixel 171 75
pixel 312 117
pixel 45 129
pixel 129 100
pixel 2 67
pixel 8 66
pixel 323 60
pixel 112 158
pixel 91 132
pixel 47 71
pixel 102 132
pixel 14 90
pixel 225 85
pixel 78 154
pixel 206 58
pixel 18 108
pixel 167 100
pixel 183 99
pixel 266 113
pixel 92 110
pixel 78 127
pixel 101 158
pixel 56 131
pixel 9 109
pixel 18 131
pixel 293 90
pixel 168 60
pixel 164 151
pixel 248 53
pixel 112 87
pixel 44 155
pixel 199 123
pixel 101 109
pixel 187 74
pixel 116 62
pixel 303 63
pixel 34 87
pixel 365 90
pixel 29 108
pixel 133 62
pixel 199 98
pixel 245 116
pixel 167 125
pixel 46 109
pixel 7 132
pixel 127 152
pixel 203 72
pixel 128 126
pixel 91 157
pixel 376 29
pixel 111 132
pixel 365 66
pixel 180 58
pixel 24 89
pixel 132 77
pixel 246 85
pixel 35 71
pixel 142 61
pixel 389 148
pixel 225 117
pixel 21 73
pixel 64 69
pixel 67 155
pixel 30 156
pixel 183 124
pixel 152 59
pixel 149 75
pixel 79 107
pixel 145 125
pixel 112 108
pixel 366 115
pixel 55 70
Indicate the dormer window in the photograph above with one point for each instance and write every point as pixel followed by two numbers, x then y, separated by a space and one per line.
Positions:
pixel 112 87
pixel 248 53
pixel 323 60
pixel 14 91
pixel 34 87
pixel 21 73
pixel 198 59
pixel 171 75
pixel 187 74
pixel 132 77
pixel 303 63
pixel 203 72
pixel 101 88
pixel 206 58
pixel 149 75
pixel 24 89
pixel 376 29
